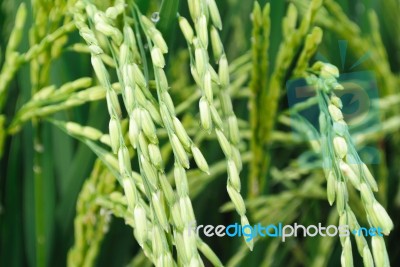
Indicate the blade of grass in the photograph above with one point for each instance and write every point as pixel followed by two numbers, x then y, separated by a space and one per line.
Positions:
pixel 168 16
pixel 76 175
pixel 11 226
pixel 28 195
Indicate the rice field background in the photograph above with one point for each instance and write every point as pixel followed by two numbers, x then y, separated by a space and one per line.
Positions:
pixel 124 124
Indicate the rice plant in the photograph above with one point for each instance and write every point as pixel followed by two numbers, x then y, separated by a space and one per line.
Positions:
pixel 141 133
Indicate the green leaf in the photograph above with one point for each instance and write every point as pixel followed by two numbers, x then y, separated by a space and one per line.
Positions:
pixel 168 16
pixel 11 224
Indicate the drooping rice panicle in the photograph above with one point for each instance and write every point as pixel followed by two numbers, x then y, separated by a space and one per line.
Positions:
pixel 224 122
pixel 182 211
pixel 116 136
pixel 11 63
pixel 92 220
pixel 343 166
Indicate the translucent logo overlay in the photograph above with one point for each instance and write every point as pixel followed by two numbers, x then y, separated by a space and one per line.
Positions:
pixel 360 109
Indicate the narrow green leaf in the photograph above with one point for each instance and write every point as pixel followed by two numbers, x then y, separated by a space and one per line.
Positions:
pixel 168 16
